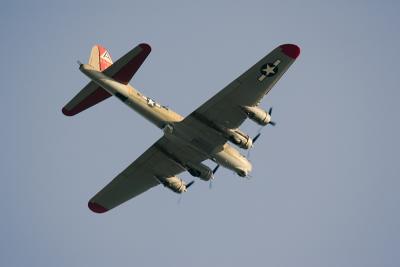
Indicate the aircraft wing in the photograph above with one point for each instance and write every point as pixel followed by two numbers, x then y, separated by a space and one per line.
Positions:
pixel 248 89
pixel 163 159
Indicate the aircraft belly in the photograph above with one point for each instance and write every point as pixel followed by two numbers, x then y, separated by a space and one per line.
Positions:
pixel 155 113
pixel 181 152
pixel 148 108
pixel 208 142
pixel 200 136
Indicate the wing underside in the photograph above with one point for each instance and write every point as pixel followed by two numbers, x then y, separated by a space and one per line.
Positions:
pixel 137 178
pixel 163 159
pixel 248 89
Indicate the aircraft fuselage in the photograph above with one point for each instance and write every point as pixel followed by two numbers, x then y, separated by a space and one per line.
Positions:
pixel 168 120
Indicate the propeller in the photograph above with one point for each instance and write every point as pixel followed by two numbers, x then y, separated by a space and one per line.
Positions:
pixel 215 169
pixel 254 140
pixel 179 199
pixel 248 152
pixel 189 184
pixel 181 195
pixel 256 137
pixel 270 114
pixel 212 178
pixel 259 131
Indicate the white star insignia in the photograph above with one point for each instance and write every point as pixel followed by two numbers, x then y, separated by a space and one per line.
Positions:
pixel 150 102
pixel 269 70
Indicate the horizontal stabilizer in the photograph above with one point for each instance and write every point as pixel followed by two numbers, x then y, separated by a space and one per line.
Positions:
pixel 89 96
pixel 125 67
pixel 122 71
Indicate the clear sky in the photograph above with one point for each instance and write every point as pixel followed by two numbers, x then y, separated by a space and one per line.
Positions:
pixel 325 186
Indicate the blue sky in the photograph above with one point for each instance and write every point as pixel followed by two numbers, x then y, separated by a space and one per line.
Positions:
pixel 325 187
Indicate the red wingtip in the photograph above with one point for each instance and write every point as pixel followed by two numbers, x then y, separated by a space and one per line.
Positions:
pixel 96 207
pixel 290 50
pixel 145 47
pixel 67 112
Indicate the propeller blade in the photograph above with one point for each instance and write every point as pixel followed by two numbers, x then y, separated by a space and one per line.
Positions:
pixel 215 169
pixel 270 111
pixel 256 137
pixel 179 199
pixel 272 123
pixel 189 184
pixel 254 140
pixel 248 154
pixel 212 178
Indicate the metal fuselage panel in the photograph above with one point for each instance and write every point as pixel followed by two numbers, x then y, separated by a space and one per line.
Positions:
pixel 152 111
pixel 196 134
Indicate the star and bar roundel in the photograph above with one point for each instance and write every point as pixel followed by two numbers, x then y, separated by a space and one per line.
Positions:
pixel 268 70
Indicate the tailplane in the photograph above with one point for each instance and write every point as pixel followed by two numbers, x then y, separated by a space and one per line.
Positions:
pixel 122 71
pixel 91 94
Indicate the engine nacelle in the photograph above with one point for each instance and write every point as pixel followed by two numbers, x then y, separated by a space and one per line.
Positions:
pixel 200 170
pixel 174 183
pixel 231 159
pixel 257 115
pixel 239 138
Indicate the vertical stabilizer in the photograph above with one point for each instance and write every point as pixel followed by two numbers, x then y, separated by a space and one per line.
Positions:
pixel 100 58
pixel 121 71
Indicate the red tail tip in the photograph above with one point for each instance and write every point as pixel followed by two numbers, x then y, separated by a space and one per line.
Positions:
pixel 290 50
pixel 96 207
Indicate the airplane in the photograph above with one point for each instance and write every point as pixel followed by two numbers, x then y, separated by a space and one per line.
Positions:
pixel 204 134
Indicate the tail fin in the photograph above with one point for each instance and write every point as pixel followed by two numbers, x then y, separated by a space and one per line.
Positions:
pixel 91 94
pixel 99 58
pixel 122 71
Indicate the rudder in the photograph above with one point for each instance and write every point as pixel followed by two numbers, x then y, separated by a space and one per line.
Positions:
pixel 100 58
